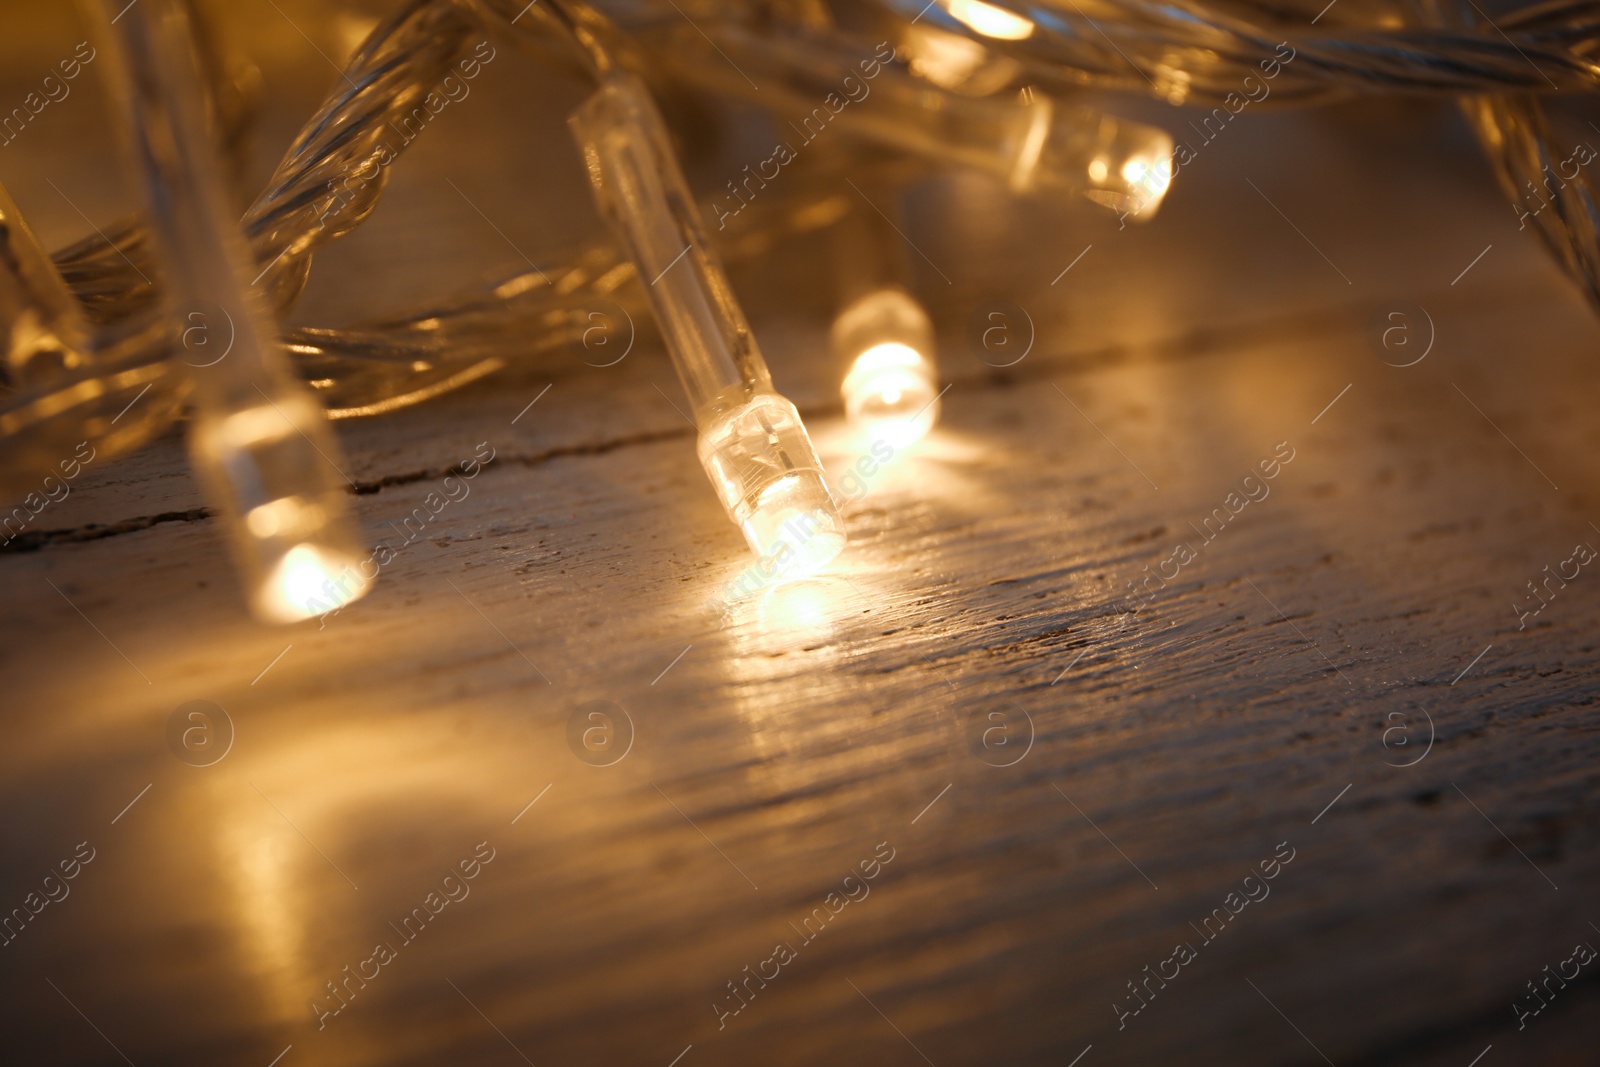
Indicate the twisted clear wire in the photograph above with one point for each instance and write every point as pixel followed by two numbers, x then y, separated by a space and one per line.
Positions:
pixel 333 174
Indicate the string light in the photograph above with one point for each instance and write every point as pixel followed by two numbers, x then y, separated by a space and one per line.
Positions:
pixel 753 446
pixel 259 441
pixel 379 367
pixel 945 95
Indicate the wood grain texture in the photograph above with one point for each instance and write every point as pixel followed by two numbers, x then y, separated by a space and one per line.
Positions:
pixel 1173 747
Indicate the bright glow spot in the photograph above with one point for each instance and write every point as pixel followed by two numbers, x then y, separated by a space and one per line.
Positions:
pixel 800 541
pixel 778 490
pixel 1130 169
pixel 989 20
pixel 803 608
pixel 890 392
pixel 794 528
pixel 767 473
pixel 265 520
pixel 805 605
pixel 1147 180
pixel 306 582
pixel 886 356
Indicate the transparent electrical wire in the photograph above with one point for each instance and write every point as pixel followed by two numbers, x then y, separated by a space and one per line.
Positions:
pixel 1185 51
pixel 1515 136
pixel 329 181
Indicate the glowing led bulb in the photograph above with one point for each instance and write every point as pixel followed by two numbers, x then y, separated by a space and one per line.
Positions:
pixel 769 479
pixel 753 446
pixel 1148 175
pixel 891 387
pixel 1129 165
pixel 284 510
pixel 259 443
pixel 989 20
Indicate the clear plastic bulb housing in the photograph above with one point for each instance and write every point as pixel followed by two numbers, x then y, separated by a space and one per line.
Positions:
pixel 771 483
pixel 1129 164
pixel 259 442
pixel 284 512
pixel 753 446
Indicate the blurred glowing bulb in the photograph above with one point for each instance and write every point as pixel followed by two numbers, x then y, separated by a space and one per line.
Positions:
pixel 891 385
pixel 308 581
pixel 1148 179
pixel 287 519
pixel 989 20
pixel 1131 167
pixel 891 392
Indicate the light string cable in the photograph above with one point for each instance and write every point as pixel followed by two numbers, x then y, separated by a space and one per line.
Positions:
pixel 330 180
pixel 753 445
pixel 132 390
pixel 1513 131
pixel 1191 52
pixel 332 176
